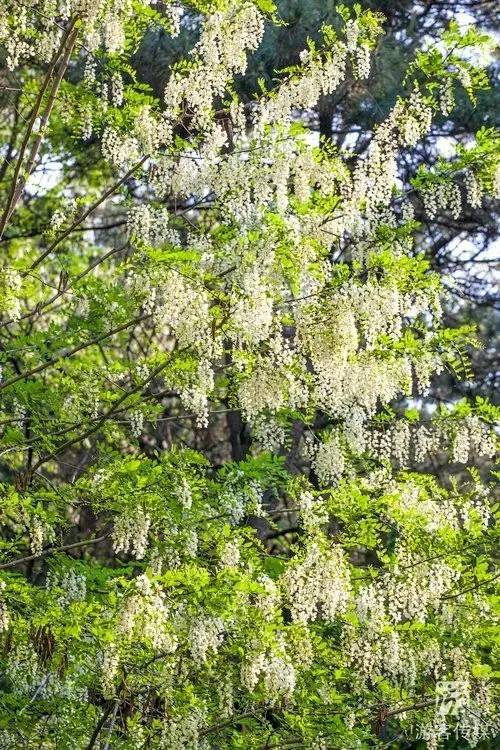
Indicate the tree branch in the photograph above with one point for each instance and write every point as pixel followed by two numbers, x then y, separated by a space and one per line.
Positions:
pixel 53 551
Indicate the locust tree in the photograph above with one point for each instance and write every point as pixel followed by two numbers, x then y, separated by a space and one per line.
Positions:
pixel 216 530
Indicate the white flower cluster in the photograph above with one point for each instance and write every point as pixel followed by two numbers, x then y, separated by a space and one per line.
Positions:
pixel 362 66
pixel 474 189
pixel 319 585
pixel 226 698
pixel 195 396
pixel 410 591
pixel 442 196
pixel 220 53
pixel 252 318
pixel 230 556
pixel 110 663
pixel 206 634
pixel 181 305
pixel 4 612
pixel 130 533
pixel 40 533
pixel 267 433
pixel 119 149
pixel 116 89
pixel 318 77
pixel 375 176
pixel 269 599
pixel 184 494
pixel 416 589
pixel 312 511
pixel 149 225
pixel 73 584
pixel 338 340
pixel 329 461
pixel 136 423
pixel 36 535
pixel 446 97
pixel 145 615
pixel 472 436
pixel 496 182
pixel 272 383
pixel 386 655
pixel 183 732
pixel 403 442
pixel 10 288
pixel 277 672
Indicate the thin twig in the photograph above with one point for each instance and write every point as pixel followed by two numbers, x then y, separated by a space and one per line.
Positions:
pixel 54 550
pixel 12 199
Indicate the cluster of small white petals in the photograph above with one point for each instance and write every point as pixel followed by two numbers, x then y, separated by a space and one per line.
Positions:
pixel 355 432
pixel 174 14
pixel 318 77
pixel 184 494
pixel 220 53
pixel 226 698
pixel 478 507
pixel 370 606
pixel 10 287
pixel 436 514
pixel 136 423
pixel 195 396
pixel 130 533
pixel 4 612
pixel 233 504
pixel 426 366
pixel 183 307
pixel 145 614
pixel 148 224
pixel 206 635
pixel 426 443
pixel 401 439
pixel 474 189
pixel 417 588
pixel 116 89
pixel 375 176
pixel 416 121
pixel 496 182
pixel 338 341
pixel 118 148
pixel 351 34
pixel 478 719
pixel 271 385
pixel 277 672
pixel 329 461
pixel 183 732
pixel 362 61
pixel 151 131
pixel 472 436
pixel 400 442
pixel 191 543
pixel 73 584
pixel 443 196
pixel 268 433
pixel 39 533
pixel 312 511
pixel 446 96
pixel 252 316
pixel 231 555
pixel 373 655
pixel 269 599
pixel 110 663
pixel 36 536
pixel 319 585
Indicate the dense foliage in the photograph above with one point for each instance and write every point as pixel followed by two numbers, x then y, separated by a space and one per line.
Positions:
pixel 219 524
